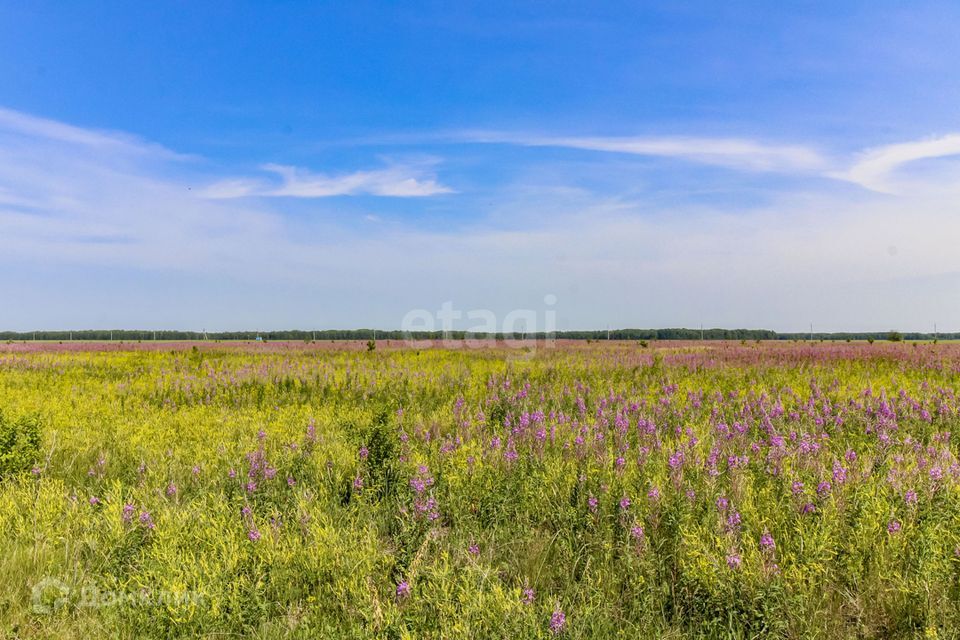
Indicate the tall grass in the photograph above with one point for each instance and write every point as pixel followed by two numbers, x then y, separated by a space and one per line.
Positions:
pixel 794 491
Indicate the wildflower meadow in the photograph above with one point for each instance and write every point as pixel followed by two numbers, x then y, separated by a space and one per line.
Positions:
pixel 588 490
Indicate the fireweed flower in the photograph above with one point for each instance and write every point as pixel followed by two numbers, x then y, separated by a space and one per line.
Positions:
pixel 558 620
pixel 253 534
pixel 364 452
pixel 291 481
pixel 403 589
pixel 910 497
pixel 839 473
pixel 529 595
pixel 624 503
pixel 893 527
pixel 733 561
pixel 766 542
pixel 171 489
pixel 473 549
pixel 636 532
pixel 654 494
pixel 592 502
pixel 358 483
pixel 146 520
pixel 722 503
pixel 127 515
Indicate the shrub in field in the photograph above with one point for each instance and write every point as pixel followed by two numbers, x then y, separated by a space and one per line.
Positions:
pixel 19 444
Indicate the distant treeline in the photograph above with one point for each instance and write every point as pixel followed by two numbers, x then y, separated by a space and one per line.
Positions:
pixel 376 334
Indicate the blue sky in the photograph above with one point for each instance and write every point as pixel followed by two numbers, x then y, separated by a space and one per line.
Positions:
pixel 291 164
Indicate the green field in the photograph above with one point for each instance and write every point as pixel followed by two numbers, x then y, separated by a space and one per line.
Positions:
pixel 586 491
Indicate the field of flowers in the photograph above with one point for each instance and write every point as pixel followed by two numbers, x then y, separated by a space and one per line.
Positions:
pixel 584 491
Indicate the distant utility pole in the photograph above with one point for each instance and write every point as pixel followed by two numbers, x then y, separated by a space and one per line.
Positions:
pixel 811 332
pixel 608 332
pixel 701 332
pixel 935 334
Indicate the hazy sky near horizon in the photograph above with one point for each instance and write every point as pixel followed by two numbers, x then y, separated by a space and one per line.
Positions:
pixel 270 165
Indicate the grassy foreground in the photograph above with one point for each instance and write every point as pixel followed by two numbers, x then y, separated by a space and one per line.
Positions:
pixel 584 491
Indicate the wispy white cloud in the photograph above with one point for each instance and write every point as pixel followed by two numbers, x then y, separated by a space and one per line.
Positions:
pixel 90 222
pixel 33 127
pixel 876 168
pixel 397 181
pixel 726 152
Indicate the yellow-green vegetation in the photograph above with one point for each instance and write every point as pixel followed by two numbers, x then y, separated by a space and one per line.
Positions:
pixel 583 491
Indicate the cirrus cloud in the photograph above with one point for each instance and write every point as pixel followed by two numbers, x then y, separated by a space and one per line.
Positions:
pixel 398 181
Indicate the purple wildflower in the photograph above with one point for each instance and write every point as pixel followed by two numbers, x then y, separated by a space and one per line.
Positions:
pixel 529 595
pixel 253 534
pixel 893 527
pixel 767 543
pixel 403 589
pixel 558 620
pixel 733 560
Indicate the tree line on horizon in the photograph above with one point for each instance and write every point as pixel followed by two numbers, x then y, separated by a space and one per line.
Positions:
pixel 128 335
